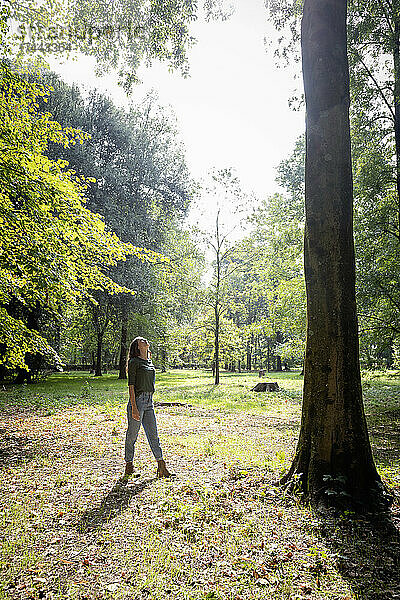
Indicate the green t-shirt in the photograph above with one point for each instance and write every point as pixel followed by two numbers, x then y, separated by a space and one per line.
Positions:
pixel 141 374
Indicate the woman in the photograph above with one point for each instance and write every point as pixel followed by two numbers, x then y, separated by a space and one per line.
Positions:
pixel 141 378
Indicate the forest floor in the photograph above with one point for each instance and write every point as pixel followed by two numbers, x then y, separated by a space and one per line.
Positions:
pixel 72 528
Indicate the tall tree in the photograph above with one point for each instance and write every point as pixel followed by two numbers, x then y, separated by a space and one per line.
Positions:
pixel 228 196
pixel 52 248
pixel 142 188
pixel 333 460
pixel 374 55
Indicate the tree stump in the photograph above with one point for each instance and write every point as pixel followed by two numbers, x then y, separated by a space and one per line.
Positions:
pixel 270 386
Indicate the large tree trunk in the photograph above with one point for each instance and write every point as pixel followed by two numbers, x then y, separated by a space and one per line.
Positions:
pixel 333 460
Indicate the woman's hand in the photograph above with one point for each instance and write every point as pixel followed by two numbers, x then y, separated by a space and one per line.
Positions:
pixel 135 414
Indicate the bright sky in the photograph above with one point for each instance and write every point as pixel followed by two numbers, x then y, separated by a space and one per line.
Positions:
pixel 233 109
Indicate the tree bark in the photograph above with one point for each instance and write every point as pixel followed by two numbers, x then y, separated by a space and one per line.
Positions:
pixel 396 64
pixel 123 352
pixel 99 349
pixel 279 340
pixel 164 360
pixel 254 341
pixel 100 323
pixel 333 461
pixel 216 347
pixel 32 360
pixel 248 356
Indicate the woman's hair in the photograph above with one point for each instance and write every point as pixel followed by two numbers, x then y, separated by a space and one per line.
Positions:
pixel 133 349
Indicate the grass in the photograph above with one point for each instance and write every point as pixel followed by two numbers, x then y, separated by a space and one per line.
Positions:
pixel 221 530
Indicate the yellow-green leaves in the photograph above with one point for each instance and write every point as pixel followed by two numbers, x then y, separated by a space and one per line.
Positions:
pixel 53 250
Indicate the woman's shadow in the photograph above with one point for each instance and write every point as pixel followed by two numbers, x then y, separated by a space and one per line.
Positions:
pixel 113 503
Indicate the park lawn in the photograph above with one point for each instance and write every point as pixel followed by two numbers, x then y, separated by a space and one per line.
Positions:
pixel 71 528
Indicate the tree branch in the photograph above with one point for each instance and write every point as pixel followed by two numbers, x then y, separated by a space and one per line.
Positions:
pixel 386 14
pixel 370 74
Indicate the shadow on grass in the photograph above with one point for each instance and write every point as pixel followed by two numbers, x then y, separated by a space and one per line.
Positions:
pixel 384 428
pixel 367 555
pixel 15 450
pixel 116 501
pixel 20 450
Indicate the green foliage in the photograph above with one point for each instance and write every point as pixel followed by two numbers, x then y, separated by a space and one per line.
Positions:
pixel 53 249
pixel 142 184
pixel 143 190
pixel 119 38
pixel 194 342
pixel 268 293
pixel 286 16
pixel 373 42
pixel 130 169
pixel 289 313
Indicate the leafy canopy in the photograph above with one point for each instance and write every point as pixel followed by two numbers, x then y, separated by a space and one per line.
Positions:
pixel 119 35
pixel 52 249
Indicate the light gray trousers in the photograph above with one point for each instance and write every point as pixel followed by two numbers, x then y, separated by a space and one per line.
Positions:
pixel 144 403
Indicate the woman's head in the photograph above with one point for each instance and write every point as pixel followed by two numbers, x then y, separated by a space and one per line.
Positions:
pixel 138 344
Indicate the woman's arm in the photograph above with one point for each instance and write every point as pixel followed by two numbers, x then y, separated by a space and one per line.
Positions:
pixel 132 369
pixel 135 412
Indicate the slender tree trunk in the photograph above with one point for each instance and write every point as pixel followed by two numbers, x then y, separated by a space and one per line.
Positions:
pixel 32 322
pixel 164 360
pixel 100 324
pixel 22 375
pixel 57 336
pixel 248 356
pixel 396 61
pixel 123 352
pixel 333 459
pixel 99 349
pixel 216 343
pixel 278 358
